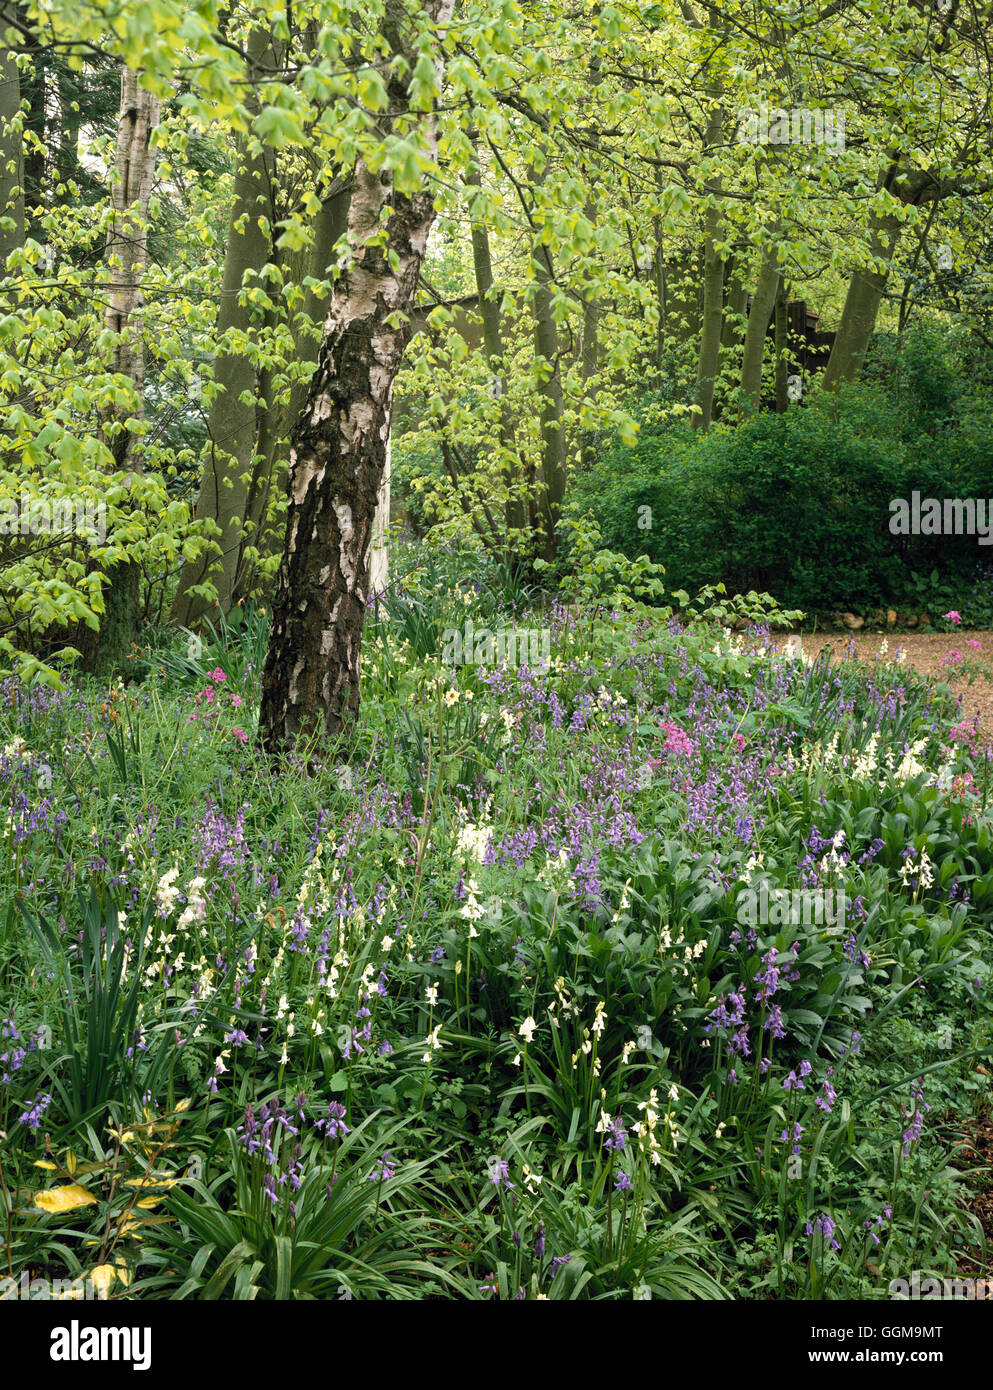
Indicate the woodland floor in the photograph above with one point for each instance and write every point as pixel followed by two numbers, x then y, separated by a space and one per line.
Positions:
pixel 924 650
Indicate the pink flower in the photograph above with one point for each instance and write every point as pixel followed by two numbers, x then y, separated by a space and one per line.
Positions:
pixel 974 644
pixel 217 675
pixel 738 740
pixel 676 741
pixel 236 699
pixel 953 616
pixel 965 733
pixel 240 735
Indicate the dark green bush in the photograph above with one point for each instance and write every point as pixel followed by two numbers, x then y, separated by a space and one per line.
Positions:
pixel 799 504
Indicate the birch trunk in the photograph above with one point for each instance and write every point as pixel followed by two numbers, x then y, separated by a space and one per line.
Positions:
pixel 126 248
pixel 127 241
pixel 338 457
pixel 379 555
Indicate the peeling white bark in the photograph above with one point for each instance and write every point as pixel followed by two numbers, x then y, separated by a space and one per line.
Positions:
pixel 379 555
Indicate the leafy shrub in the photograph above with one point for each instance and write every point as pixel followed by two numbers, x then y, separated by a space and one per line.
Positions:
pixel 798 504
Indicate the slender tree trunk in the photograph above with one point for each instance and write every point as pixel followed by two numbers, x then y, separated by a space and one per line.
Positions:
pixel 589 355
pixel 127 239
pixel 735 303
pixel 269 435
pixel 233 424
pixel 33 90
pixel 781 348
pixel 661 292
pixel 515 509
pixel 134 173
pixel 547 367
pixel 482 262
pixel 11 158
pixel 709 358
pixel 589 358
pixel 708 362
pixel 763 307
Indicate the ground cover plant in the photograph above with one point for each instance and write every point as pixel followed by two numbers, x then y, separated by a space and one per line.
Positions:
pixel 660 968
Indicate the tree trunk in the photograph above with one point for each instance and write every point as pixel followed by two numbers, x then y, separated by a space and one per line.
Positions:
pixel 378 558
pixel 763 306
pixel 127 240
pixel 11 158
pixel 589 358
pixel 865 294
pixel 709 358
pixel 782 346
pixel 548 370
pixel 233 422
pixel 337 461
pixel 34 90
pixel 67 149
pixel 515 509
pixel 735 303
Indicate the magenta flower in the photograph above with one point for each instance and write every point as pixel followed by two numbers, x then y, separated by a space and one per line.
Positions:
pixel 953 616
pixel 676 741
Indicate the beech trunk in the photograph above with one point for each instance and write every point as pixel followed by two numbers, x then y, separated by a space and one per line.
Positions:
pixel 865 294
pixel 233 421
pixel 759 316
